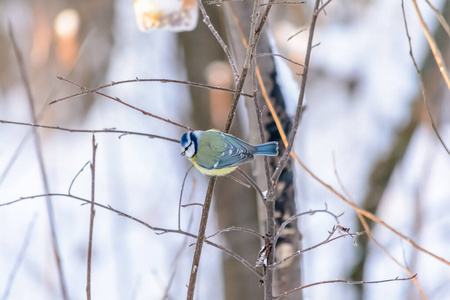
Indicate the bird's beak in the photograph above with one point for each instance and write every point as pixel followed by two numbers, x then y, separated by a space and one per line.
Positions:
pixel 183 153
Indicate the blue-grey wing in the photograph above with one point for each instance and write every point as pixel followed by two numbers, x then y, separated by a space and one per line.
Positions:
pixel 237 152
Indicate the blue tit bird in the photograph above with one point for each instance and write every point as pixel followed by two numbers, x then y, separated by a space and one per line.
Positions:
pixel 216 153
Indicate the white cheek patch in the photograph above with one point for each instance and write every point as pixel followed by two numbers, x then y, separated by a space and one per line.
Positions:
pixel 190 151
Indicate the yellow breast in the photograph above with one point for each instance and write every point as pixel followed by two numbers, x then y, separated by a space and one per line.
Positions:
pixel 212 172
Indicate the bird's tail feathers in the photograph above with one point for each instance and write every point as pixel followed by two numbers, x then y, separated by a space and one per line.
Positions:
pixel 269 149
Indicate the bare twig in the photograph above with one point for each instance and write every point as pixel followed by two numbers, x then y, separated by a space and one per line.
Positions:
pixel 341 281
pixel 297 33
pixel 113 83
pixel 156 229
pixel 437 53
pixel 75 178
pixel 298 113
pixel 91 222
pixel 329 239
pixel 323 6
pixel 296 216
pixel 192 204
pixel 126 104
pixel 252 183
pixel 440 17
pixel 181 196
pixel 422 87
pixel 20 257
pixel 218 2
pixel 235 228
pixel 284 2
pixel 224 46
pixel 107 130
pixel 38 146
pixel 238 181
pixel 279 55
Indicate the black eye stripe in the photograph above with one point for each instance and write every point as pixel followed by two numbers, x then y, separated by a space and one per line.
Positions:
pixel 194 141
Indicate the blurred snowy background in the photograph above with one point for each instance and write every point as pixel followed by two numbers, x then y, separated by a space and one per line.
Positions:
pixel 363 107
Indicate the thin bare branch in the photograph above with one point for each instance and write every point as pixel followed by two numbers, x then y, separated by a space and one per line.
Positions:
pixel 434 48
pixel 235 228
pixel 113 83
pixel 422 86
pixel 341 281
pixel 324 5
pixel 298 113
pixel 284 2
pixel 329 239
pixel 75 178
pixel 297 33
pixel 296 216
pixel 238 181
pixel 157 230
pixel 440 17
pixel 192 204
pixel 106 130
pixel 38 146
pixel 126 104
pixel 279 55
pixel 218 2
pixel 252 182
pixel 224 46
pixel 91 221
pixel 181 196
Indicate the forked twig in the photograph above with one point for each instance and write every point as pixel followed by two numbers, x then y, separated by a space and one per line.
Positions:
pixel 296 216
pixel 329 239
pixel 156 229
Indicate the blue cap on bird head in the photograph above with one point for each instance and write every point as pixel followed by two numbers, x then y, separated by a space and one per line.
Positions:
pixel 188 144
